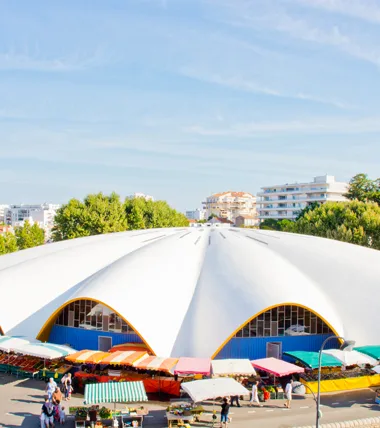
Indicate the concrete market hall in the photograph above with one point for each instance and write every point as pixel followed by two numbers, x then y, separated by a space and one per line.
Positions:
pixel 207 291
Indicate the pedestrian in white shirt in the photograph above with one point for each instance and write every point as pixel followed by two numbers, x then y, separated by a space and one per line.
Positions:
pixel 288 393
pixel 255 395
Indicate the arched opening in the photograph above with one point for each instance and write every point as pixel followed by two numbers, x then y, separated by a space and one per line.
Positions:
pixel 280 328
pixel 89 324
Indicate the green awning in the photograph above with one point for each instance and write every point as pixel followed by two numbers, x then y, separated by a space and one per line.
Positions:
pixel 310 359
pixel 372 351
pixel 115 392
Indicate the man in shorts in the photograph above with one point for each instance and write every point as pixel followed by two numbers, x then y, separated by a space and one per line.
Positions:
pixel 288 393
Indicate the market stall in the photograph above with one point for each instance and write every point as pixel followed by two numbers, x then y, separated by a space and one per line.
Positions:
pixel 200 390
pixel 373 351
pixel 351 358
pixel 123 358
pixel 311 359
pixel 152 385
pixel 118 392
pixel 87 356
pixel 190 366
pixel 232 368
pixel 334 377
pixel 156 364
pixel 276 367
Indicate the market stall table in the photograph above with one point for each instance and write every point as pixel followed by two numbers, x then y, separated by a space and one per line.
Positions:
pixel 178 418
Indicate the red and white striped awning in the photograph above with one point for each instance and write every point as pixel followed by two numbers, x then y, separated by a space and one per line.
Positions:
pixel 156 363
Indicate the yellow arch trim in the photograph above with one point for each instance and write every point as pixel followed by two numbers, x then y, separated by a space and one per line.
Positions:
pixel 268 309
pixel 44 333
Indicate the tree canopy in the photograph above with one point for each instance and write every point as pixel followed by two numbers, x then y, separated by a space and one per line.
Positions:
pixel 29 236
pixel 99 214
pixel 355 222
pixel 8 243
pixel 96 215
pixel 363 189
pixel 142 214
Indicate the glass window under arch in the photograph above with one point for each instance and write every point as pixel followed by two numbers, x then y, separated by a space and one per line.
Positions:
pixel 284 321
pixel 89 315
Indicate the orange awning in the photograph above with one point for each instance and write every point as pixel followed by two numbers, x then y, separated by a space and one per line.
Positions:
pixel 123 358
pixel 157 364
pixel 87 356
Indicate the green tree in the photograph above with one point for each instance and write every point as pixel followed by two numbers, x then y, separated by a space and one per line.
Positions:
pixel 309 207
pixel 96 215
pixel 355 222
pixel 29 236
pixel 270 224
pixel 363 189
pixel 142 214
pixel 8 243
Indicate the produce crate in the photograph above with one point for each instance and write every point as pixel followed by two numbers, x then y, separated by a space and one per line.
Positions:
pixel 272 395
pixel 280 395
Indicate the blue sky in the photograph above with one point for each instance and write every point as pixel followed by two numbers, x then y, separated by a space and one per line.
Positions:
pixel 183 98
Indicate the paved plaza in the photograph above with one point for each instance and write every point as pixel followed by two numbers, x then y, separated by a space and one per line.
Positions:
pixel 21 401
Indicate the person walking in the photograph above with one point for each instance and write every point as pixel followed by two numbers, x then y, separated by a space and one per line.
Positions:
pixel 50 388
pixel 47 414
pixel 255 395
pixel 57 396
pixel 288 393
pixel 68 387
pixel 233 399
pixel 224 413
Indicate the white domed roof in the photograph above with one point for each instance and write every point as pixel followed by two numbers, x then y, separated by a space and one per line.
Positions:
pixel 187 290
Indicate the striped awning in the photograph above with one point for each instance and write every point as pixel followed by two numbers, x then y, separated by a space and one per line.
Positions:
pixel 86 356
pixel 115 392
pixel 124 358
pixel 157 364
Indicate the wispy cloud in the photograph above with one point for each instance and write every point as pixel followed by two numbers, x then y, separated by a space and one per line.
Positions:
pixel 368 10
pixel 278 18
pixel 301 127
pixel 243 84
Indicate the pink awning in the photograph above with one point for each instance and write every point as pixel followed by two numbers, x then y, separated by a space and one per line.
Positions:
pixel 277 367
pixel 187 366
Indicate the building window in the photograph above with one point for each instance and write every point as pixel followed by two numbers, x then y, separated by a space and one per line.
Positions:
pixel 90 315
pixel 285 321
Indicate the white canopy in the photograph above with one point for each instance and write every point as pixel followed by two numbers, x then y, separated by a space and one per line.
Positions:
pixel 47 351
pixel 8 343
pixel 376 369
pixel 232 367
pixel 200 390
pixel 351 358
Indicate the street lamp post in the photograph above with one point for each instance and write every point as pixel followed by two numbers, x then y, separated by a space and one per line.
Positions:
pixel 346 344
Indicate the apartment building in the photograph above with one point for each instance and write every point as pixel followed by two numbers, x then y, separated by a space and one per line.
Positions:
pixel 230 205
pixel 284 201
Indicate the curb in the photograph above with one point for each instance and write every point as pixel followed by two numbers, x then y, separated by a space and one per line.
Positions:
pixel 347 424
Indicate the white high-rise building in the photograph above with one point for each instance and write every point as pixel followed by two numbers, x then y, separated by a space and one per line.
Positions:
pixel 229 205
pixel 42 214
pixel 197 214
pixel 284 201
